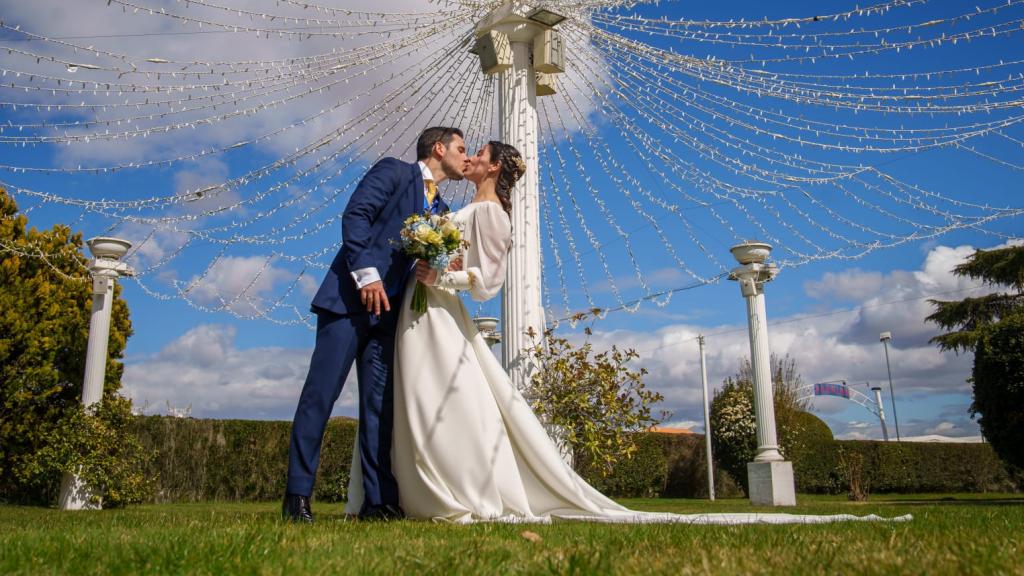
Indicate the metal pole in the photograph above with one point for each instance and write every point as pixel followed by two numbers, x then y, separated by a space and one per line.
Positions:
pixel 881 412
pixel 707 419
pixel 886 336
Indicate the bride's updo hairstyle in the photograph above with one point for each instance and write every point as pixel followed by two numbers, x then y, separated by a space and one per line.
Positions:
pixel 512 169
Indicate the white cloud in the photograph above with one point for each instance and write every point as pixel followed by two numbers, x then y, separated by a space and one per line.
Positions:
pixel 238 283
pixel 205 370
pixel 942 428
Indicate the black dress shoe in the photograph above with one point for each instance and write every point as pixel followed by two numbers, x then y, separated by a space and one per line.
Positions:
pixel 384 512
pixel 296 509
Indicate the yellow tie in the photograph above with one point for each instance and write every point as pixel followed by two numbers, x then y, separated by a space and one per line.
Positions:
pixel 431 190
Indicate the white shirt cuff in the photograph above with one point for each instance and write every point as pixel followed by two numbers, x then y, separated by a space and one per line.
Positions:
pixel 365 276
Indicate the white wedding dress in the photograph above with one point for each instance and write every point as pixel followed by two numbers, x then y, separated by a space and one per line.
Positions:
pixel 467 447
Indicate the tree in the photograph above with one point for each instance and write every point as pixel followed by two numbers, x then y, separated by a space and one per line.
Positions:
pixel 733 423
pixel 45 302
pixel 596 399
pixel 968 319
pixel 993 327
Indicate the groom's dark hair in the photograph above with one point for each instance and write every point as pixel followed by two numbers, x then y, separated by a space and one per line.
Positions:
pixel 433 135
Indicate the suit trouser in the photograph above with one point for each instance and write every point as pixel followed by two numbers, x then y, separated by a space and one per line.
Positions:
pixel 340 341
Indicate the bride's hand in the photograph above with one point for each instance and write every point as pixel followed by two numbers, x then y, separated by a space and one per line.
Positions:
pixel 425 274
pixel 455 265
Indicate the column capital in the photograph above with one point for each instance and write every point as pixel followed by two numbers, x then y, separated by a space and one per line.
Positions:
pixel 109 268
pixel 512 19
pixel 756 271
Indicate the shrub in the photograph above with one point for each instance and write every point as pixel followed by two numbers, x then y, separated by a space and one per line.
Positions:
pixel 813 454
pixel 100 448
pixel 641 475
pixel 734 425
pixel 599 403
pixel 851 468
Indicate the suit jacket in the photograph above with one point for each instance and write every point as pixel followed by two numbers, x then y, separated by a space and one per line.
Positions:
pixel 388 194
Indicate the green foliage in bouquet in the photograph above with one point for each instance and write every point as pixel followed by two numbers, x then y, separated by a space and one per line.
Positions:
pixel 434 239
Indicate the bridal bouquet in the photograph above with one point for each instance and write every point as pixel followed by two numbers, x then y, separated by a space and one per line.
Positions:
pixel 433 239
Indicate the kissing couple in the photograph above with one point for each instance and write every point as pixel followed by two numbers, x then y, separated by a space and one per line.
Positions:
pixel 444 434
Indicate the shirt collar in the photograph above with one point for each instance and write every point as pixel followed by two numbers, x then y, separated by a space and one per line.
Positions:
pixel 427 174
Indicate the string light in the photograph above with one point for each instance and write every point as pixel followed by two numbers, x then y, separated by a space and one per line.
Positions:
pixel 757 138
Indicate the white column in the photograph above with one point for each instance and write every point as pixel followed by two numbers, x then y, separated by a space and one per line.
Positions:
pixel 99 336
pixel 104 269
pixel 769 477
pixel 760 363
pixel 522 308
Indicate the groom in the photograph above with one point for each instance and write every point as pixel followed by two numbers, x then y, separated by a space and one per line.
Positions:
pixel 357 311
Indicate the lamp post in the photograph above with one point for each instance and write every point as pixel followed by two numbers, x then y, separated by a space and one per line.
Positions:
pixel 105 268
pixel 885 337
pixel 707 419
pixel 770 478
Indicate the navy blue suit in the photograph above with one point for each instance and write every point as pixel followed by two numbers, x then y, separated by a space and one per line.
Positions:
pixel 389 193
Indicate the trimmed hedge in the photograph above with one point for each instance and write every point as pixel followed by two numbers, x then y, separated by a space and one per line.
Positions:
pixel 906 467
pixel 665 466
pixel 197 460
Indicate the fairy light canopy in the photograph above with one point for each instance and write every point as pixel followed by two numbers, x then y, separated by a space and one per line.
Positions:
pixel 223 137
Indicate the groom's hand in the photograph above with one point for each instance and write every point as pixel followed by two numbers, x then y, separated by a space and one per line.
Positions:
pixel 374 297
pixel 425 274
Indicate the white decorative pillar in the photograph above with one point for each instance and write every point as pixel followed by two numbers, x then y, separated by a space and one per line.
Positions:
pixel 770 478
pixel 488 328
pixel 521 301
pixel 105 268
pixel 522 308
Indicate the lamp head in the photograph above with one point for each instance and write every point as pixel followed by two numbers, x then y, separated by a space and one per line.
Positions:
pixel 751 252
pixel 885 336
pixel 107 247
pixel 542 15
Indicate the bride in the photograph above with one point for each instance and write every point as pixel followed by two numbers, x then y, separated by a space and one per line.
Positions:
pixel 467 447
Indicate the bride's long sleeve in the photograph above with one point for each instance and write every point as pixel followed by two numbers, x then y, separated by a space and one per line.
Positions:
pixel 489 234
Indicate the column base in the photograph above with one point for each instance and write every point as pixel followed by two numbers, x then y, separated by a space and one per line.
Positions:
pixel 771 483
pixel 76 495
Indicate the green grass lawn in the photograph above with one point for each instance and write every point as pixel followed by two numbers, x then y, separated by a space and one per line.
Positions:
pixel 950 534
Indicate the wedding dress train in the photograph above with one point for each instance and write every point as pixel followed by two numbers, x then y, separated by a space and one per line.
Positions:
pixel 467 447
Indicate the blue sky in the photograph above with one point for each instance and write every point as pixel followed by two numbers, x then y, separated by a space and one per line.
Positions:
pixel 825 313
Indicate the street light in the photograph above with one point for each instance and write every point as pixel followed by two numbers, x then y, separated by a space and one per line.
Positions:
pixel 885 337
